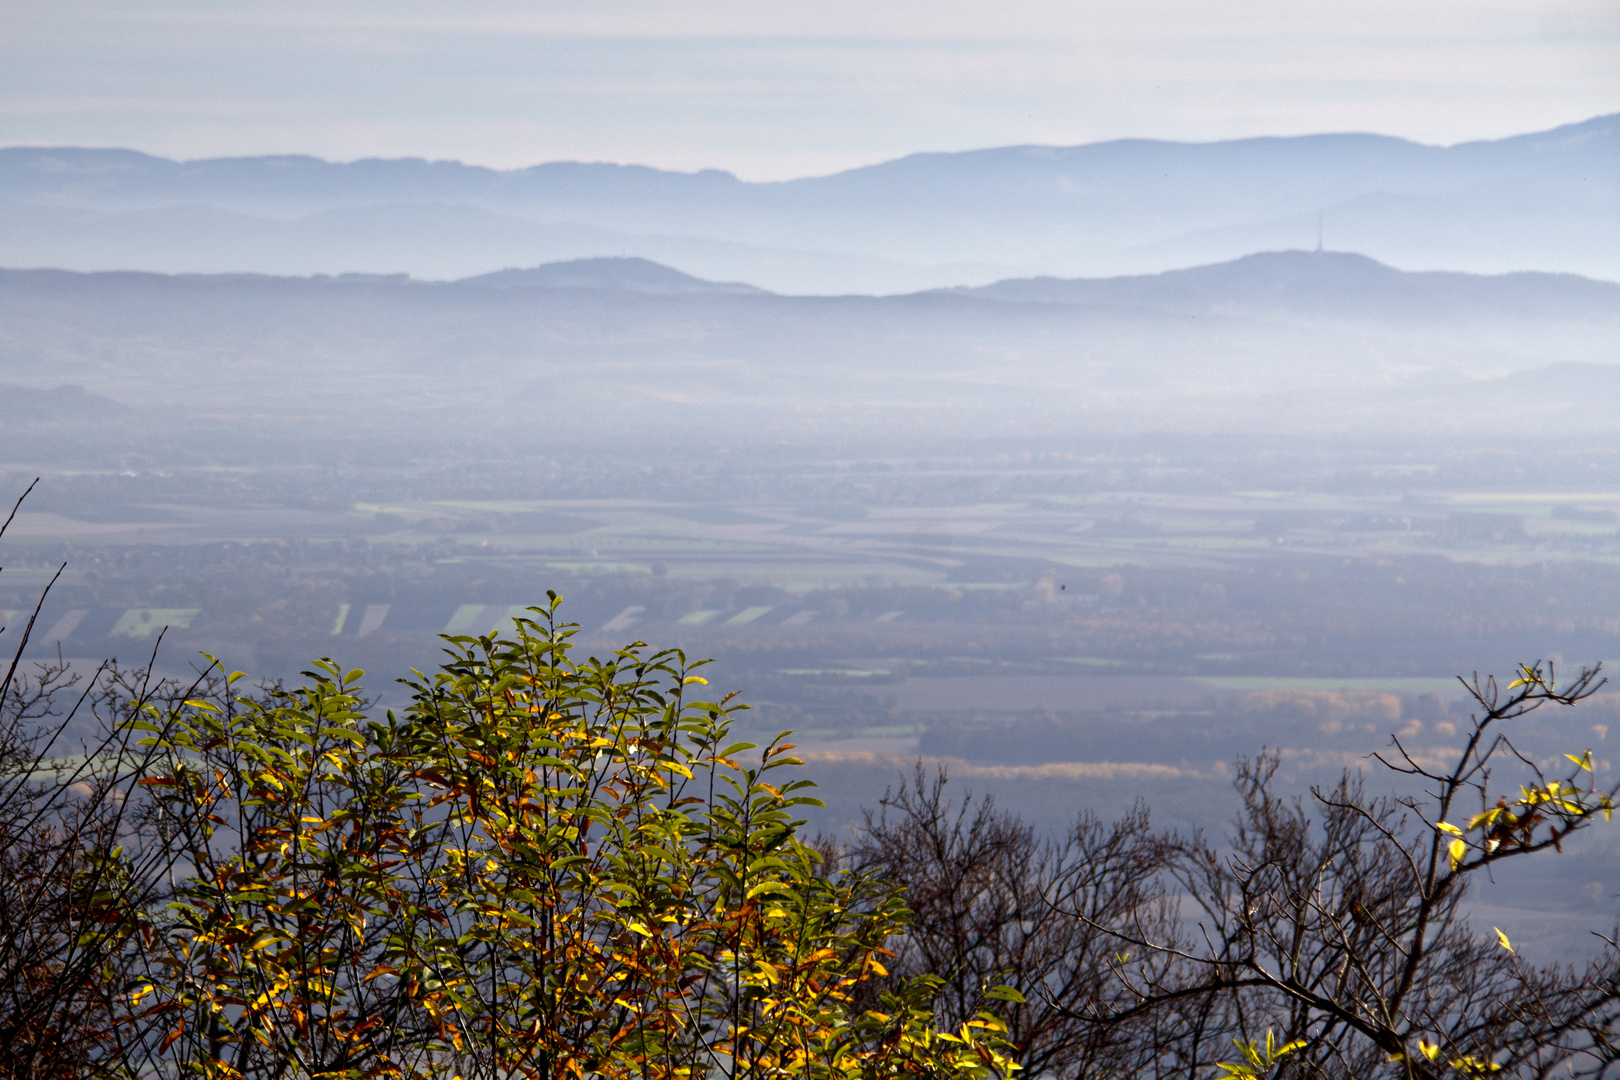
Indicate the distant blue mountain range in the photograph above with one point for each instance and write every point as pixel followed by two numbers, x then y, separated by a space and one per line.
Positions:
pixel 1546 201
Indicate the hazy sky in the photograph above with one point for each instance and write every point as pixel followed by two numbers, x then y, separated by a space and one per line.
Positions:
pixel 770 89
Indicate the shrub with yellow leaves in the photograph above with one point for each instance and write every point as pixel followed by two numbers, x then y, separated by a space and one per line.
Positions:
pixel 543 867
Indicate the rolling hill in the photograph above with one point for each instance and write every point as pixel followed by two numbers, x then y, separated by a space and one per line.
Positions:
pixel 610 352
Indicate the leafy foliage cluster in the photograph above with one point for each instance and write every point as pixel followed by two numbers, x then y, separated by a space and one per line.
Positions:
pixel 541 867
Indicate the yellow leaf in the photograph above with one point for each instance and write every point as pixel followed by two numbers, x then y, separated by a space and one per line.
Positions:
pixel 1430 1050
pixel 767 887
pixel 1458 848
pixel 1483 819
pixel 1446 826
pixel 639 928
pixel 1531 677
pixel 695 679
pixel 1503 939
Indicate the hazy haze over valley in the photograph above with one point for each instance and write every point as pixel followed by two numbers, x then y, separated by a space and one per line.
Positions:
pixel 613 354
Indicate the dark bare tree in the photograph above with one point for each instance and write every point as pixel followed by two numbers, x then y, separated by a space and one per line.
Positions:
pixel 81 872
pixel 993 904
pixel 1336 923
pixel 1326 935
pixel 83 863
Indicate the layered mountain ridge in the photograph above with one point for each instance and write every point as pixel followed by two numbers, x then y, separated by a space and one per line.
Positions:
pixel 1546 201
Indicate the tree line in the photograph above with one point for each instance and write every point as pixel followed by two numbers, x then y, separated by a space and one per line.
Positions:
pixel 544 865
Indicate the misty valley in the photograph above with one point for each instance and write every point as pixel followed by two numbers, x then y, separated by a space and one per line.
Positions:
pixel 1057 628
pixel 1200 534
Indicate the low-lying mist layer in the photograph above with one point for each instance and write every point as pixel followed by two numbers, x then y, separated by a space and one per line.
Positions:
pixel 614 354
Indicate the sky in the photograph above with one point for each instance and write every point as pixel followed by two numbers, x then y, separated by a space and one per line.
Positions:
pixel 770 89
